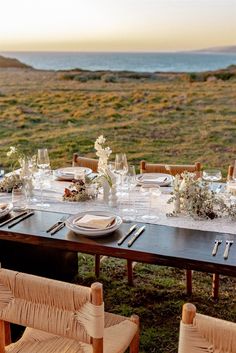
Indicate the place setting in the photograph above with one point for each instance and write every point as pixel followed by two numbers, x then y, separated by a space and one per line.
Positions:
pixel 94 223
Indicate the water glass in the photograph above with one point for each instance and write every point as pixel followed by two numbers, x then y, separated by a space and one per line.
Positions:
pixel 19 199
pixel 152 194
pixel 212 175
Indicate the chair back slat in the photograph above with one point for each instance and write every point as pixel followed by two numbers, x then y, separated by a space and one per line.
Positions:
pixel 85 162
pixel 43 304
pixel 172 169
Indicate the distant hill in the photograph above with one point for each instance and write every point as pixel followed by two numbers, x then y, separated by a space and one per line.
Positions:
pixel 228 49
pixel 9 62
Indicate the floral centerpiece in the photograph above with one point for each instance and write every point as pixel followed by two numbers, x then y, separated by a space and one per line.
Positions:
pixel 23 177
pixel 80 190
pixel 193 197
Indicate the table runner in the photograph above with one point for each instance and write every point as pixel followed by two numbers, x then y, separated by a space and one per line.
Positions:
pixel 137 199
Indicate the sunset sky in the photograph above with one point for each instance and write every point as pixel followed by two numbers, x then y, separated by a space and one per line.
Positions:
pixel 116 25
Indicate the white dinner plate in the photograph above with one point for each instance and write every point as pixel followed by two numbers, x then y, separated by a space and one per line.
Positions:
pixel 7 210
pixel 93 232
pixel 152 179
pixel 69 172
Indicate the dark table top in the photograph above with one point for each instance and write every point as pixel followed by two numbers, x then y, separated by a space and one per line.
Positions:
pixel 164 245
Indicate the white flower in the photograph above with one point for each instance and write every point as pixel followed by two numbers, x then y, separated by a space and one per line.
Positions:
pixel 103 153
pixel 11 151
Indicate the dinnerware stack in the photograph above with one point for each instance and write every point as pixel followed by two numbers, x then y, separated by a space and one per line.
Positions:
pixel 94 223
pixel 153 179
pixel 69 173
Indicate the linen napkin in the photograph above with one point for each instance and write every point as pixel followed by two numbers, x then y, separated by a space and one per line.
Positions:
pixel 3 206
pixel 95 222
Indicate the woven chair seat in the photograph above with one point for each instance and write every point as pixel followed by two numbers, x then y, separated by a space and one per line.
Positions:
pixel 118 334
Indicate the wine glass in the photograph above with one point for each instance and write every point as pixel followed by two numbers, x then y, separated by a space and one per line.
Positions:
pixel 43 164
pixel 128 210
pixel 121 166
pixel 43 161
pixel 152 194
pixel 212 175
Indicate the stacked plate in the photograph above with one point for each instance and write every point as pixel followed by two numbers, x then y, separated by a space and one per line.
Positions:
pixel 94 223
pixel 69 172
pixel 154 179
pixel 5 208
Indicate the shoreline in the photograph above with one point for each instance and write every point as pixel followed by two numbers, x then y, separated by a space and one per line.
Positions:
pixel 13 62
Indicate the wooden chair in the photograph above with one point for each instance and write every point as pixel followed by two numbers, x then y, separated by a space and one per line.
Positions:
pixel 93 164
pixel 201 333
pixel 172 169
pixel 61 317
pixel 230 172
pixel 85 162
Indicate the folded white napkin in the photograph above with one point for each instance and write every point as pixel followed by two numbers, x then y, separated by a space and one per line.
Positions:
pixel 3 206
pixel 153 180
pixel 95 222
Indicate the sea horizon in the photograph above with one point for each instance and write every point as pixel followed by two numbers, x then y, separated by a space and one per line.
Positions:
pixel 138 61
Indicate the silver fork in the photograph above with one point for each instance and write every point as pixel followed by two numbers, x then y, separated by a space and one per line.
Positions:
pixel 55 225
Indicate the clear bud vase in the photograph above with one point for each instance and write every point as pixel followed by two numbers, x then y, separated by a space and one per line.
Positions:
pixel 106 190
pixel 113 197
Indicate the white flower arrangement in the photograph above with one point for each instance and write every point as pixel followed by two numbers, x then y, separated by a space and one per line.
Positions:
pixel 103 153
pixel 195 199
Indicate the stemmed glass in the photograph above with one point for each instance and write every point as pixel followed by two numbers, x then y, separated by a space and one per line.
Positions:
pixel 212 175
pixel 129 211
pixel 121 167
pixel 151 193
pixel 43 164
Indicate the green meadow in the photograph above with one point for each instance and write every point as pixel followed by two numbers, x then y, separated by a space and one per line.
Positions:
pixel 170 118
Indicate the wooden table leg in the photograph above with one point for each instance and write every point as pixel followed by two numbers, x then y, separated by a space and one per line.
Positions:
pixel 97 265
pixel 189 288
pixel 215 285
pixel 130 272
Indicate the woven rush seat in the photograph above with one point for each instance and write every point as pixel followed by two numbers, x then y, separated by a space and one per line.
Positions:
pixel 61 317
pixel 201 333
pixel 118 335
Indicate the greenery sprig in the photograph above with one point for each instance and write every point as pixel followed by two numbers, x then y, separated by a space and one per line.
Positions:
pixel 193 197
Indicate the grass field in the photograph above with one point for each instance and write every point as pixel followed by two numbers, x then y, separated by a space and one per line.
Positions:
pixel 160 118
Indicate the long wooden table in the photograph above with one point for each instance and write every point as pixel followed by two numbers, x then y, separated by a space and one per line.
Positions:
pixel 161 245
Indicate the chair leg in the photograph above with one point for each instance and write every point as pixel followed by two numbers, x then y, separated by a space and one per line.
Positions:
pixel 2 336
pixel 97 265
pixel 134 345
pixel 7 333
pixel 215 285
pixel 189 282
pixel 130 272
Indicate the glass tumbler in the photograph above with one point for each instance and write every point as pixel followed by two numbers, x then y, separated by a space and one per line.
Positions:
pixel 19 199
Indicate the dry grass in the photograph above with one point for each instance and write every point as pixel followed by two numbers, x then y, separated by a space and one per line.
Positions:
pixel 161 118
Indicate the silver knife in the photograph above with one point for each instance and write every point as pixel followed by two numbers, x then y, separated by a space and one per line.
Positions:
pixel 227 247
pixel 13 218
pixel 136 235
pixel 28 214
pixel 134 226
pixel 217 243
pixel 59 227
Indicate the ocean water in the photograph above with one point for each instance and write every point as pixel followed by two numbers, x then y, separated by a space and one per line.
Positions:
pixel 140 62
